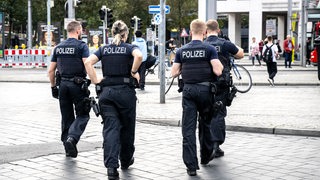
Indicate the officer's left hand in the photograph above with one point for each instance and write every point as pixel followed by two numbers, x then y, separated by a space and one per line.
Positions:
pixel 55 92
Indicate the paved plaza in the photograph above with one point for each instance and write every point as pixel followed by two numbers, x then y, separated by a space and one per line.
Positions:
pixel 273 132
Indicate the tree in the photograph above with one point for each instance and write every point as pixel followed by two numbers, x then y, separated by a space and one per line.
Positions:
pixel 182 12
pixel 17 16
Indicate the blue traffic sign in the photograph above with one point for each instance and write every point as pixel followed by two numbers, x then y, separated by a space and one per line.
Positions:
pixel 155 9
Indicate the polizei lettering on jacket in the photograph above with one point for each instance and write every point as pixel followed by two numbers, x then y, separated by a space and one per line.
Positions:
pixel 114 50
pixel 193 54
pixel 218 48
pixel 65 50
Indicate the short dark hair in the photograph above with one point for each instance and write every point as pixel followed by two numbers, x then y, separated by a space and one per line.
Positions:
pixel 138 34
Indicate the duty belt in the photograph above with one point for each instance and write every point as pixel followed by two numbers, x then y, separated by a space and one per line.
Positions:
pixel 109 81
pixel 67 79
pixel 205 83
pixel 75 79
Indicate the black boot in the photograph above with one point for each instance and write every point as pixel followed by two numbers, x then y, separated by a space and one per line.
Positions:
pixel 113 173
pixel 126 166
pixel 71 147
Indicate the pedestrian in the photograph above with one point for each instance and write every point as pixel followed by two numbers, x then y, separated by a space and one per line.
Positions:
pixel 279 48
pixel 308 52
pixel 254 50
pixel 271 65
pixel 171 52
pixel 117 100
pixel 288 46
pixel 225 49
pixel 260 48
pixel 198 64
pixel 95 41
pixel 68 58
pixel 141 43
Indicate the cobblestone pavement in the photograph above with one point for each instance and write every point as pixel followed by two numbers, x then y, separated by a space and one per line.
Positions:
pixel 30 132
pixel 158 156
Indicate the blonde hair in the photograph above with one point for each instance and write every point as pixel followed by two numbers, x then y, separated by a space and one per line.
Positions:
pixel 73 26
pixel 198 26
pixel 119 31
pixel 212 25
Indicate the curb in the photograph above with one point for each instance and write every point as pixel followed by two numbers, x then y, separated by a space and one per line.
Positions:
pixel 175 83
pixel 276 131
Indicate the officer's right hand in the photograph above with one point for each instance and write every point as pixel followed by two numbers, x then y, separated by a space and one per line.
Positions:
pixel 137 76
pixel 55 92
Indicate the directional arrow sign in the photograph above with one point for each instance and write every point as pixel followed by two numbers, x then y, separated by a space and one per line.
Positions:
pixel 155 9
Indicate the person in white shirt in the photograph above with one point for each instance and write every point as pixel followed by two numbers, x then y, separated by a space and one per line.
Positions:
pixel 271 66
pixel 141 43
pixel 254 50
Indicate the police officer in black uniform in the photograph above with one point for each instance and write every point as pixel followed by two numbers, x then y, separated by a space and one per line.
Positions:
pixel 198 64
pixel 120 64
pixel 225 48
pixel 68 57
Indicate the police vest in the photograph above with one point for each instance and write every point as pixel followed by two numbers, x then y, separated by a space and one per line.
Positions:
pixel 223 56
pixel 69 60
pixel 116 61
pixel 196 66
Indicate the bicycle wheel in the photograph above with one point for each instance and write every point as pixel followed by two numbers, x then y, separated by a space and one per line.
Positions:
pixel 241 78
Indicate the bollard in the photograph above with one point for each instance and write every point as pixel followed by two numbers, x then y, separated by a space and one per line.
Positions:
pixel 317 45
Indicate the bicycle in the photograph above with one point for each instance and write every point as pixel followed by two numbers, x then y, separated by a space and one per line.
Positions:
pixel 240 76
pixel 168 77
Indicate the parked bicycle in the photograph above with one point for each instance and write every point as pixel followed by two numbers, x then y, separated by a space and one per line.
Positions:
pixel 241 77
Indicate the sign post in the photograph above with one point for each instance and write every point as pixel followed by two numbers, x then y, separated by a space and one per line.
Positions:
pixel 161 50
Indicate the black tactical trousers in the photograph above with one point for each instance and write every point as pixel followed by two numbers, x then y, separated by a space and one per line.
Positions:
pixel 118 111
pixel 71 100
pixel 196 99
pixel 218 124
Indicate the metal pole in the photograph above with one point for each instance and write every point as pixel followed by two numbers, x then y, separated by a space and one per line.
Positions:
pixel 71 10
pixel 29 25
pixel 48 24
pixel 162 32
pixel 135 27
pixel 211 9
pixel 104 8
pixel 303 34
pixel 289 18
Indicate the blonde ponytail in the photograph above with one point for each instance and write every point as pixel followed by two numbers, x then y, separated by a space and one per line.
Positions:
pixel 119 31
pixel 117 39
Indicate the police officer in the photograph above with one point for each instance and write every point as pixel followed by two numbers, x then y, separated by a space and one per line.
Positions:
pixel 224 48
pixel 120 64
pixel 68 57
pixel 198 64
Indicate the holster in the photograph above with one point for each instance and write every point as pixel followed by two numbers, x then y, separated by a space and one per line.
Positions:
pixel 180 85
pixel 85 85
pixel 98 90
pixel 231 95
pixel 58 78
pixel 95 106
pixel 79 80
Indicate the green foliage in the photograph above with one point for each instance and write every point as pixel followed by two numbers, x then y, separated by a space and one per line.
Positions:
pixel 181 12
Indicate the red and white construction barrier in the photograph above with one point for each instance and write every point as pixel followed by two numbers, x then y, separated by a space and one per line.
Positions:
pixel 11 52
pixel 24 57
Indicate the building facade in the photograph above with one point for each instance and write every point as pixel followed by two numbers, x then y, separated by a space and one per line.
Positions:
pixel 265 17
